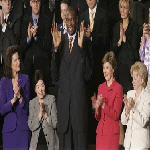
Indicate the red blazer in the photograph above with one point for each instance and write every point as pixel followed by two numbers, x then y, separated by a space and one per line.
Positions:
pixel 108 116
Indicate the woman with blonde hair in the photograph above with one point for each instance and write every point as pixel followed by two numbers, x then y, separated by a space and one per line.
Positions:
pixel 136 113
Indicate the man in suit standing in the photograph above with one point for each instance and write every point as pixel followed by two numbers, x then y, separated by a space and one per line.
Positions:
pixel 72 65
pixel 36 42
pixel 96 18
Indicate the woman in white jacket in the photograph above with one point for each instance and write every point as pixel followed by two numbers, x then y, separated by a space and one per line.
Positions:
pixel 136 113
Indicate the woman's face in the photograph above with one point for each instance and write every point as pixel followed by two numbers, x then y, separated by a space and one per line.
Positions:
pixel 40 89
pixel 108 71
pixel 137 81
pixel 124 10
pixel 15 63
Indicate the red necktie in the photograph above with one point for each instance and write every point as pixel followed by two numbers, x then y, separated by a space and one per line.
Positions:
pixel 70 44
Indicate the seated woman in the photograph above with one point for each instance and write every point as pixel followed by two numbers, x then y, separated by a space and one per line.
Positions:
pixel 14 102
pixel 108 107
pixel 136 113
pixel 42 117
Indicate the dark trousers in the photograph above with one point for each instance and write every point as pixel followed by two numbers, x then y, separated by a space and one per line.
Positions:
pixel 72 140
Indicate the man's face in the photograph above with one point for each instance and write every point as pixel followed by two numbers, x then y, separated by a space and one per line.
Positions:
pixel 91 3
pixel 35 5
pixel 70 22
pixel 63 8
pixel 6 6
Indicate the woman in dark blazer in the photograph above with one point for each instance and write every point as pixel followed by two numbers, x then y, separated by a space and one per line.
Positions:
pixel 126 42
pixel 14 100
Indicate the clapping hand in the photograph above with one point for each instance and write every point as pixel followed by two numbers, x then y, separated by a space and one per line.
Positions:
pixel 1 17
pixel 34 29
pixel 129 104
pixel 56 36
pixel 122 35
pixel 87 31
pixel 81 35
pixel 146 30
pixel 96 103
pixel 16 89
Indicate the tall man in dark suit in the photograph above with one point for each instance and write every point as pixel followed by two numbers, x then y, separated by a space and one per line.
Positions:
pixel 72 64
pixel 36 42
pixel 96 18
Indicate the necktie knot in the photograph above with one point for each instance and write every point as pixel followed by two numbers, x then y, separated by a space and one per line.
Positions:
pixel 35 21
pixel 70 44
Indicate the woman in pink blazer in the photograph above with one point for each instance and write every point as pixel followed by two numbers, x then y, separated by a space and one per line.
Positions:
pixel 108 107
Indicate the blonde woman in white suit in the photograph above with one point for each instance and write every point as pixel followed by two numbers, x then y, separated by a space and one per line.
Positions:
pixel 136 113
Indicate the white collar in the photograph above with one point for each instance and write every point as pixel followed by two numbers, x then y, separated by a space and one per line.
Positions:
pixel 94 9
pixel 6 17
pixel 73 37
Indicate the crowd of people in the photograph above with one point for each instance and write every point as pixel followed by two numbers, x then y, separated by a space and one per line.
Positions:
pixel 96 60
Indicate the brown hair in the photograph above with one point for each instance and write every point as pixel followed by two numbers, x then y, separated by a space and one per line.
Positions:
pixel 38 76
pixel 141 70
pixel 11 50
pixel 110 57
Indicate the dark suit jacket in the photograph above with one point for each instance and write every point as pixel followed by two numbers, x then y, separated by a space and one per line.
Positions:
pixel 138 13
pixel 36 53
pixel 127 53
pixel 72 71
pixel 100 41
pixel 79 5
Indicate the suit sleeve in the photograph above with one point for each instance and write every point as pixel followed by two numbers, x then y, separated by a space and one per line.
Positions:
pixel 98 116
pixel 142 117
pixel 5 106
pixel 53 114
pixel 55 62
pixel 114 111
pixel 88 61
pixel 25 95
pixel 124 118
pixel 33 121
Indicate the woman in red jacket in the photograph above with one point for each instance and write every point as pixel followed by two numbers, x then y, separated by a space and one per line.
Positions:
pixel 108 107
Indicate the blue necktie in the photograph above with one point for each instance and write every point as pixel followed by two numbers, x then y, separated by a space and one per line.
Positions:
pixel 35 21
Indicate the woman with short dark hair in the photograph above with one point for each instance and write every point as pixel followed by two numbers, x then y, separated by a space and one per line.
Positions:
pixel 42 117
pixel 14 100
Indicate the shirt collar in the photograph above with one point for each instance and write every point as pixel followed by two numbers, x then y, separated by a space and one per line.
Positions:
pixel 64 28
pixel 6 17
pixel 73 37
pixel 33 18
pixel 112 85
pixel 94 9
